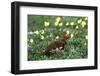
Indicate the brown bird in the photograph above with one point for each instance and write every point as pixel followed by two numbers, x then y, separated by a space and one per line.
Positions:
pixel 56 46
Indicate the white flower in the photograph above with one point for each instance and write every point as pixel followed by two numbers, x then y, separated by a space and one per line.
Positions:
pixel 30 33
pixel 36 32
pixel 67 32
pixel 72 23
pixel 77 27
pixel 72 35
pixel 57 37
pixel 31 40
pixel 79 21
pixel 67 23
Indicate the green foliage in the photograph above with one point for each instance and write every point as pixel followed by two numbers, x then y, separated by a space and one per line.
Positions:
pixel 42 30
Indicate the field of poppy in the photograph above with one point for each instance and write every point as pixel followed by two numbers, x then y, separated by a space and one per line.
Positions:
pixel 42 30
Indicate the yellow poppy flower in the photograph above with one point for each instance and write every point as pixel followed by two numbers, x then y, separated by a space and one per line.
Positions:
pixel 79 21
pixel 67 23
pixel 56 23
pixel 57 37
pixel 36 32
pixel 60 24
pixel 42 37
pixel 31 40
pixel 46 23
pixel 58 19
pixel 83 23
pixel 72 23
pixel 77 27
pixel 42 31
pixel 72 35
pixel 86 18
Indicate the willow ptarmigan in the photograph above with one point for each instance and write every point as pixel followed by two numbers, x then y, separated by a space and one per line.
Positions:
pixel 56 46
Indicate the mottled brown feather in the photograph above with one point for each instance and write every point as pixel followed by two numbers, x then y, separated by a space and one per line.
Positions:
pixel 57 44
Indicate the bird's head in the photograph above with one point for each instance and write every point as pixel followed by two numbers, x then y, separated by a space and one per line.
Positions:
pixel 66 35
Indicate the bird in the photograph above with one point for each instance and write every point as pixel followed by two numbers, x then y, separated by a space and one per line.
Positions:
pixel 56 46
